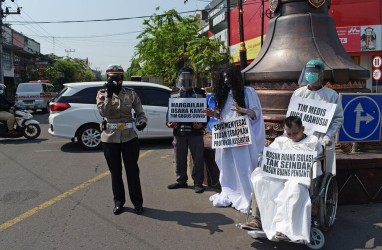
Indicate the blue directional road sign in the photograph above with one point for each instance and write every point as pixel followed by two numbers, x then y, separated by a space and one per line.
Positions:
pixel 362 117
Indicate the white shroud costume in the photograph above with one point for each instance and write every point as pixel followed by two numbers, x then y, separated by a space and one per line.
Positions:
pixel 331 96
pixel 236 164
pixel 285 205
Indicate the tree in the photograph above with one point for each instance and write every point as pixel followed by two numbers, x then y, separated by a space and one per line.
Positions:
pixel 161 49
pixel 134 69
pixel 64 70
pixel 204 55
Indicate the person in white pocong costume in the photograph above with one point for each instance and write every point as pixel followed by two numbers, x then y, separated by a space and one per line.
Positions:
pixel 284 204
pixel 236 164
pixel 311 80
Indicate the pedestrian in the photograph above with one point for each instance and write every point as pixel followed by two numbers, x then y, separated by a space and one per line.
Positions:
pixel 188 136
pixel 236 164
pixel 115 104
pixel 311 80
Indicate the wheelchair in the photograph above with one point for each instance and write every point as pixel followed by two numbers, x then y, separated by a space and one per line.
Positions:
pixel 323 192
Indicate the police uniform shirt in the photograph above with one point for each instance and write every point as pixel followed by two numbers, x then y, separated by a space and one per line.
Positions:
pixel 117 109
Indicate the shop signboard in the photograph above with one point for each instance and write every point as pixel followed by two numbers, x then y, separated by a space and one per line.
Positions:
pixel 361 38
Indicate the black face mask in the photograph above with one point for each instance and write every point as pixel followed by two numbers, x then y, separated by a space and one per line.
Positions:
pixel 227 81
pixel 117 88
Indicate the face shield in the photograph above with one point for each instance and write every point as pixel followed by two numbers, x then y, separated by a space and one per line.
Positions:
pixel 185 79
pixel 311 74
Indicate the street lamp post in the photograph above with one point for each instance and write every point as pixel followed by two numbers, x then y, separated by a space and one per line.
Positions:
pixel 243 50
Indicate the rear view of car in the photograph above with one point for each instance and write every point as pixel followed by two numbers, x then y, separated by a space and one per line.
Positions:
pixel 34 95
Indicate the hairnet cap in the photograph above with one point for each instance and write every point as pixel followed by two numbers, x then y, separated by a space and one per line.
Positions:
pixel 315 63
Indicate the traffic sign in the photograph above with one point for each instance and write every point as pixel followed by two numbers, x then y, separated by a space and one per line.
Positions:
pixel 377 74
pixel 377 62
pixel 362 117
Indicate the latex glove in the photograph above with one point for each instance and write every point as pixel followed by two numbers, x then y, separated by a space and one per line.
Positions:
pixel 327 141
pixel 110 88
pixel 140 125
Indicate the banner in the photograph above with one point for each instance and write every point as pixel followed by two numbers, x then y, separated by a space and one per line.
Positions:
pixel 316 115
pixel 285 164
pixel 187 110
pixel 234 132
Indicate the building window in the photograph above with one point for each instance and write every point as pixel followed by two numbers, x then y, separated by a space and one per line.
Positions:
pixel 7 59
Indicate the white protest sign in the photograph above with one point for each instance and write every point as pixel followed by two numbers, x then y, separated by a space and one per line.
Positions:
pixel 316 115
pixel 187 110
pixel 286 164
pixel 234 132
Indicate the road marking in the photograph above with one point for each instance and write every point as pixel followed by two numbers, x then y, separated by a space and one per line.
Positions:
pixel 47 150
pixel 56 199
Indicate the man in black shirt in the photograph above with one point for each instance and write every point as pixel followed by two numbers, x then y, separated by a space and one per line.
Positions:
pixel 188 135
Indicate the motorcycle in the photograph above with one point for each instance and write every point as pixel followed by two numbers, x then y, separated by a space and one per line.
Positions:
pixel 24 126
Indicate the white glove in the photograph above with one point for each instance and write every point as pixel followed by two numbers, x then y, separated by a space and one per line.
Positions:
pixel 326 141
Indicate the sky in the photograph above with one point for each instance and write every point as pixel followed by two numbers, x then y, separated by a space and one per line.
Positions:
pixel 104 42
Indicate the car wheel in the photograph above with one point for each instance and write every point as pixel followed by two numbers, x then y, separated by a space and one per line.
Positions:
pixel 89 137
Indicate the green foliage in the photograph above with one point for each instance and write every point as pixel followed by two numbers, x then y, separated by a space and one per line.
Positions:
pixel 161 51
pixel 204 55
pixel 64 70
pixel 134 70
pixel 161 44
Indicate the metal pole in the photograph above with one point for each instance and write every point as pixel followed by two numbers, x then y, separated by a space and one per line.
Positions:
pixel 1 45
pixel 243 50
pixel 262 22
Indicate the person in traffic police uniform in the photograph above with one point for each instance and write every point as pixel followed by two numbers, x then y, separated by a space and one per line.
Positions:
pixel 188 135
pixel 115 104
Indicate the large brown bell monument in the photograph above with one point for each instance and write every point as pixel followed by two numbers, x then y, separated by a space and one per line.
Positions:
pixel 301 30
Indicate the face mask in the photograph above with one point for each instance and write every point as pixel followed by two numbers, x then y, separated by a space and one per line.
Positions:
pixel 311 77
pixel 227 81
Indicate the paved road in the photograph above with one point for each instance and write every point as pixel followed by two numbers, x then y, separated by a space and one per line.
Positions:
pixel 54 195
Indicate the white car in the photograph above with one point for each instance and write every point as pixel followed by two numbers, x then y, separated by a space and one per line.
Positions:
pixel 74 114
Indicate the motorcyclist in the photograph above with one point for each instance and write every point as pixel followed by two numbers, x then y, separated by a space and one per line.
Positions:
pixel 7 110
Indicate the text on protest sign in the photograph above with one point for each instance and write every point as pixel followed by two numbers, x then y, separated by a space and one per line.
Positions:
pixel 186 110
pixel 285 164
pixel 316 115
pixel 234 132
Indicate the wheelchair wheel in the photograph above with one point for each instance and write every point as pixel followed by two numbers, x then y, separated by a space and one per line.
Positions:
pixel 328 202
pixel 317 238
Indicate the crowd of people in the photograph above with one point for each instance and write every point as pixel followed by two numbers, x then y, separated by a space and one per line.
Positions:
pixel 280 207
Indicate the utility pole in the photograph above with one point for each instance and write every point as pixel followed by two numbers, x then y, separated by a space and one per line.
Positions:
pixel 69 51
pixel 2 15
pixel 243 50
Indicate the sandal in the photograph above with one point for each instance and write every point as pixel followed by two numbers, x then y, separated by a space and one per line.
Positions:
pixel 281 236
pixel 254 224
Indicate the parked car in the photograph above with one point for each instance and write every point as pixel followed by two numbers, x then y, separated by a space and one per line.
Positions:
pixel 34 95
pixel 74 114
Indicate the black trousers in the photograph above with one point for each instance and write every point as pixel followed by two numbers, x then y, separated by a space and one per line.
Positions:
pixel 196 145
pixel 130 154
